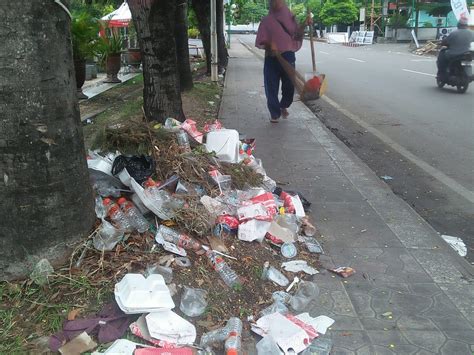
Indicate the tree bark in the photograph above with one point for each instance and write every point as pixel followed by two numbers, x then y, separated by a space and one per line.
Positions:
pixel 223 55
pixel 202 8
pixel 46 196
pixel 182 46
pixel 153 20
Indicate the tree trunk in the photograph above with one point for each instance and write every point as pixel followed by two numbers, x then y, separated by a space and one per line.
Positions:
pixel 46 196
pixel 182 46
pixel 202 8
pixel 153 20
pixel 223 56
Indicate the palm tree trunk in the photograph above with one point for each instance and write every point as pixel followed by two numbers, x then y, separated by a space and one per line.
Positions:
pixel 153 20
pixel 46 196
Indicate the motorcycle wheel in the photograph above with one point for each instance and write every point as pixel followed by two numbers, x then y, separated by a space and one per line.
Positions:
pixel 440 82
pixel 462 88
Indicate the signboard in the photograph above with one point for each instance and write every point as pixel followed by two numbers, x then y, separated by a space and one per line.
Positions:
pixel 460 9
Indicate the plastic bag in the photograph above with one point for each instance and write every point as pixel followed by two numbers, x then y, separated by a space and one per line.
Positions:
pixel 139 167
pixel 193 301
pixel 307 292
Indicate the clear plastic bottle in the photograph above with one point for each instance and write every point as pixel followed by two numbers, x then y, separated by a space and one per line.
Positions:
pixel 161 198
pixel 307 291
pixel 231 334
pixel 183 141
pixel 135 217
pixel 117 216
pixel 228 275
pixel 233 343
pixel 100 210
pixel 181 240
pixel 272 274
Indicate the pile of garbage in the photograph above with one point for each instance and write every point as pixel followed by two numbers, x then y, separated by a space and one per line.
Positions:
pixel 200 210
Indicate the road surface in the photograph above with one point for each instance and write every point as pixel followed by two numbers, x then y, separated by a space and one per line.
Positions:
pixel 382 101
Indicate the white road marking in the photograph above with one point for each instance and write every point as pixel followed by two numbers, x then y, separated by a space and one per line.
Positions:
pixel 439 175
pixel 357 60
pixel 323 52
pixel 418 72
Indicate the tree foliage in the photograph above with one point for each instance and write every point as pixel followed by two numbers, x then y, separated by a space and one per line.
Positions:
pixel 339 12
pixel 252 11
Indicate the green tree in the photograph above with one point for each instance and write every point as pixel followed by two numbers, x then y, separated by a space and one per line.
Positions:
pixel 339 12
pixel 252 11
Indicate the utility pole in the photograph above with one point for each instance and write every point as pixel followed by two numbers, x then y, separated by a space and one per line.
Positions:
pixel 214 57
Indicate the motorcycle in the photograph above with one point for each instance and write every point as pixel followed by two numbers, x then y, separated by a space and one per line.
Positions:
pixel 459 73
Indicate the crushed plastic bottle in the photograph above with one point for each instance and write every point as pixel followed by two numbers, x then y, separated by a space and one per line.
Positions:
pixel 183 141
pixel 133 214
pixel 319 346
pixel 268 346
pixel 228 275
pixel 181 240
pixel 41 272
pixel 164 271
pixel 100 210
pixel 161 198
pixel 107 237
pixel 307 291
pixel 231 334
pixel 272 274
pixel 117 216
pixel 193 301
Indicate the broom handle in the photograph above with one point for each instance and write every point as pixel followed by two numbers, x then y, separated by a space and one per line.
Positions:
pixel 292 72
pixel 313 55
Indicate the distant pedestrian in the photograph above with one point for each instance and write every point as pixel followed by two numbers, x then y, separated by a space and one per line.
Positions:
pixel 279 31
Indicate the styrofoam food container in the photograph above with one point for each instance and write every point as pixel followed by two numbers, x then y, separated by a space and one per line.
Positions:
pixel 225 143
pixel 135 291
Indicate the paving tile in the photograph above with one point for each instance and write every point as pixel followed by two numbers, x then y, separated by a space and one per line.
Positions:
pixel 349 340
pixel 428 340
pixel 462 296
pixel 439 265
pixel 454 347
pixel 382 265
pixel 352 223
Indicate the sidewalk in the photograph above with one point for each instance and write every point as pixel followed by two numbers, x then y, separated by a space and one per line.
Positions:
pixel 412 294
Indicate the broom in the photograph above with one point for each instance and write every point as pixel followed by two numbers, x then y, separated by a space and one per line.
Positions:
pixel 312 89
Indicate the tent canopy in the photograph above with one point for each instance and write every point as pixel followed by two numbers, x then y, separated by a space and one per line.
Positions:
pixel 120 17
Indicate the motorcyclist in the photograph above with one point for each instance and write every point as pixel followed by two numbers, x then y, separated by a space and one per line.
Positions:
pixel 457 42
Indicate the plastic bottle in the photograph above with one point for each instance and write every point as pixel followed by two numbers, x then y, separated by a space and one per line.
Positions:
pixel 228 275
pixel 161 198
pixel 116 215
pixel 181 240
pixel 135 217
pixel 231 334
pixel 272 274
pixel 183 141
pixel 100 210
pixel 233 343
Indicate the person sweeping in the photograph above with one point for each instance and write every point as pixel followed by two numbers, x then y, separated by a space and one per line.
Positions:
pixel 279 32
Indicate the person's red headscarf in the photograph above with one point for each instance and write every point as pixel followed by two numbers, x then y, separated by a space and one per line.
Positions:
pixel 279 27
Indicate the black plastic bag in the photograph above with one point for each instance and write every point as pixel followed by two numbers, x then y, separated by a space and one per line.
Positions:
pixel 139 167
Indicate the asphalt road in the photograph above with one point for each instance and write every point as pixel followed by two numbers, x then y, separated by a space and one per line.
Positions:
pixel 382 101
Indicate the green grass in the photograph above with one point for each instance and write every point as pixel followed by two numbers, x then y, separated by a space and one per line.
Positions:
pixel 29 311
pixel 206 91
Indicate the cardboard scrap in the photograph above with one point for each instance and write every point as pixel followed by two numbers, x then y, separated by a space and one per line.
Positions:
pixel 80 344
